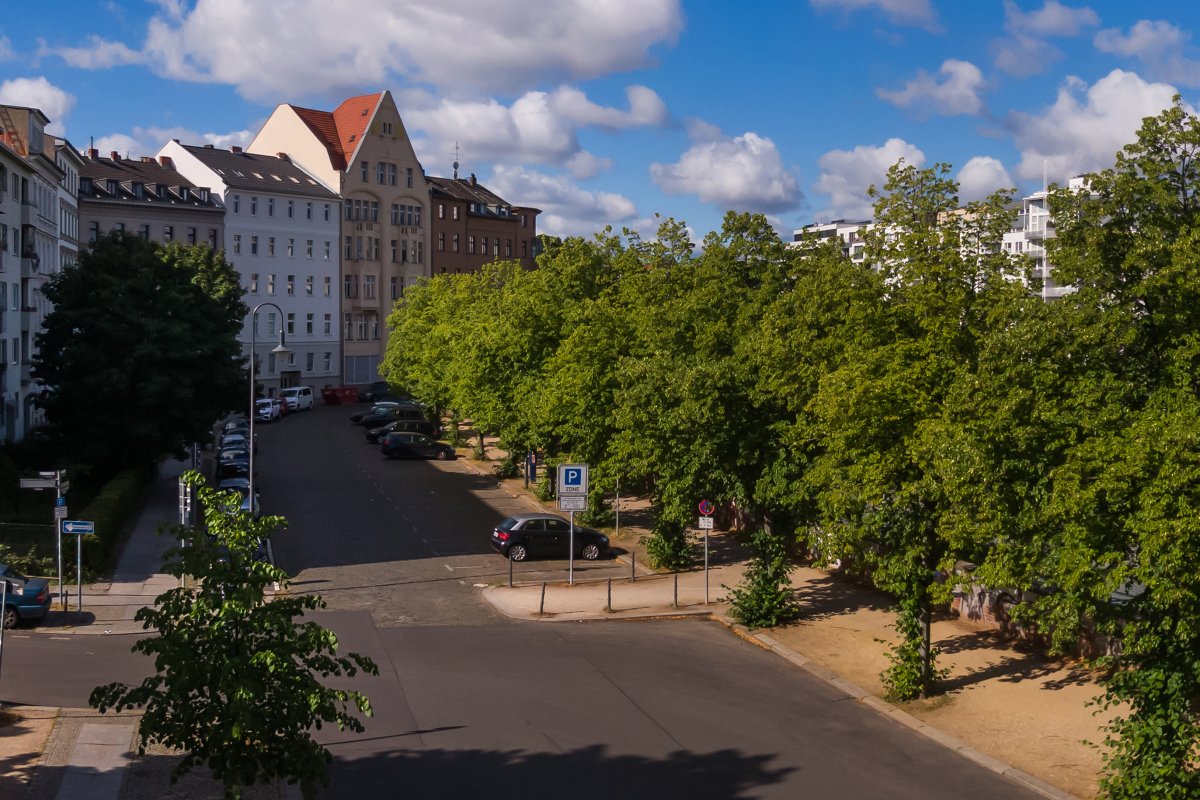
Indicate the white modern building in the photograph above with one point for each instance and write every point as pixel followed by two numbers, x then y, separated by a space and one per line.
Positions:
pixel 850 232
pixel 281 233
pixel 1032 227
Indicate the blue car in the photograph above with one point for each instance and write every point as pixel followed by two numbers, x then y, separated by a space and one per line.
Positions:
pixel 28 598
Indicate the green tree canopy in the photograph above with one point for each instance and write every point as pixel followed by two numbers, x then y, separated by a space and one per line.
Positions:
pixel 140 353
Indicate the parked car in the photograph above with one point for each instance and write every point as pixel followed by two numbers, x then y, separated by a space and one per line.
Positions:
pixel 242 487
pixel 28 598
pixel 375 391
pixel 267 409
pixel 401 444
pixel 376 408
pixel 233 462
pixel 237 439
pixel 297 398
pixel 414 426
pixel 523 535
pixel 404 411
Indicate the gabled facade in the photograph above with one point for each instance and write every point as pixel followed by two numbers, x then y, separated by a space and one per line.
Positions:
pixel 148 198
pixel 34 231
pixel 281 234
pixel 362 151
pixel 472 226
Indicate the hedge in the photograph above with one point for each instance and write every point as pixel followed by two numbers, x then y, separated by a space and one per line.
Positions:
pixel 113 506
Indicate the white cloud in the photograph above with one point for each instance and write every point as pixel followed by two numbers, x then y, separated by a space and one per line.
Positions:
pixel 1052 19
pixel 846 175
pixel 538 128
pixel 96 54
pixel 1156 43
pixel 1023 51
pixel 743 173
pixel 148 141
pixel 6 51
pixel 957 93
pixel 1087 125
pixel 915 13
pixel 39 93
pixel 567 209
pixel 981 176
pixel 290 47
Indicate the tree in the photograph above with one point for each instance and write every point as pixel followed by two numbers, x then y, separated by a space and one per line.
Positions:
pixel 237 686
pixel 140 353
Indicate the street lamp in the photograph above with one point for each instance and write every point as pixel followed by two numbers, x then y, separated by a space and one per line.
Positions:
pixel 278 349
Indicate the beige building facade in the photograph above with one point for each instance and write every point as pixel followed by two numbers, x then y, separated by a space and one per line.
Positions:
pixel 362 152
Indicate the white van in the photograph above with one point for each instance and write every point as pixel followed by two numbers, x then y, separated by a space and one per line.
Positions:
pixel 298 398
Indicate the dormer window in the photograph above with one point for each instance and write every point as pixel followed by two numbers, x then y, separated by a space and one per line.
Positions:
pixel 139 189
pixel 185 194
pixel 204 194
pixel 85 186
pixel 110 186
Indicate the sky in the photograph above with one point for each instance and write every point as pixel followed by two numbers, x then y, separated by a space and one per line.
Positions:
pixel 622 112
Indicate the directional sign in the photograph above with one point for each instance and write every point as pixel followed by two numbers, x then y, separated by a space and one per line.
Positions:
pixel 79 526
pixel 37 483
pixel 572 480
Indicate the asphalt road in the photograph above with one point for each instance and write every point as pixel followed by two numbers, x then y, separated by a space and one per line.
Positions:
pixel 469 704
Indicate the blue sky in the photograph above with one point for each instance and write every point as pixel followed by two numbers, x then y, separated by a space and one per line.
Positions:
pixel 608 113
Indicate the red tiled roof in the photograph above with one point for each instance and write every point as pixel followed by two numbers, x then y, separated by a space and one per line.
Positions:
pixel 352 117
pixel 342 129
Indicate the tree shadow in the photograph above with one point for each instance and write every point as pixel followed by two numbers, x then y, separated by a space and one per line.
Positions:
pixel 1016 661
pixel 833 596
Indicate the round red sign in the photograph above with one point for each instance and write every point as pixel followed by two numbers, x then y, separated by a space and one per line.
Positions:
pixel 706 507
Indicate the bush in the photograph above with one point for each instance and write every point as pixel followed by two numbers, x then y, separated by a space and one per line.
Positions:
pixel 31 563
pixel 764 598
pixel 667 546
pixel 510 467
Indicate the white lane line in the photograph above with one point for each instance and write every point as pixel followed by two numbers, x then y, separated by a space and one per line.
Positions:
pixel 448 567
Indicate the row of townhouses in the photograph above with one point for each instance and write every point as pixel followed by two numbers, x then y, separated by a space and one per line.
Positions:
pixel 1032 226
pixel 328 217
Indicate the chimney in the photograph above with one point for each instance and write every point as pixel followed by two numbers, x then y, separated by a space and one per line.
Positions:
pixel 147 159
pixel 176 141
pixel 283 157
pixel 208 147
pixel 114 155
pixel 472 178
pixel 235 149
pixel 93 153
pixel 166 162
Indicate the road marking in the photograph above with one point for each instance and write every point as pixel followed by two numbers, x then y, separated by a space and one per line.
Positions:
pixel 448 567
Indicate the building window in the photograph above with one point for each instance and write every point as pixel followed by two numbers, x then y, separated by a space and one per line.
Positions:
pixel 364 171
pixel 328 361
pixel 441 242
pixel 471 243
pixel 144 231
pixel 507 248
pixel 270 323
pixel 368 287
pixel 168 233
pixel 270 245
pixel 328 248
pixel 237 244
pixel 454 212
pixel 93 232
pixel 455 243
pixel 308 248
pixel 441 210
pixel 291 208
pixel 350 286
pixel 271 286
pixel 308 325
pixel 291 247
pixel 328 324
pixel 237 203
pixel 291 324
pixel 270 206
pixel 212 238
pixel 253 283
pixel 253 205
pixel 308 361
pixel 408 177
pixel 395 289
pixel 308 210
pixel 380 173
pixel 253 245
pixel 347 327
pixel 396 214
pixel 291 285
pixel 308 285
pixel 191 235
pixel 327 212
pixel 328 285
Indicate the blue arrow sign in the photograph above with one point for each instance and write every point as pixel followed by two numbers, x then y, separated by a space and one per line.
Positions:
pixel 78 526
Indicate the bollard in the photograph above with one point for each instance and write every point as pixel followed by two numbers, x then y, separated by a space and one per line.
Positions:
pixel 675 599
pixel 609 594
pixel 510 569
pixel 542 605
pixel 633 565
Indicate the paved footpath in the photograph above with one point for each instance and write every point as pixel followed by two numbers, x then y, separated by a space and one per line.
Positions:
pixel 71 754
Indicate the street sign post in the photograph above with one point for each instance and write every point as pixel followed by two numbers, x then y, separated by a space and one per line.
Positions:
pixel 80 528
pixel 572 496
pixel 57 480
pixel 706 525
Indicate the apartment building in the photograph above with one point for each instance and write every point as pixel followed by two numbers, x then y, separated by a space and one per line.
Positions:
pixel 33 182
pixel 282 232
pixel 472 226
pixel 148 198
pixel 849 232
pixel 1032 227
pixel 361 151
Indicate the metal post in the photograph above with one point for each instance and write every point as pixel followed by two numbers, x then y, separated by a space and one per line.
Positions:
pixel 79 574
pixel 510 572
pixel 571 553
pixel 617 508
pixel 706 566
pixel 675 598
pixel 62 593
pixel 609 606
pixel 632 564
pixel 542 604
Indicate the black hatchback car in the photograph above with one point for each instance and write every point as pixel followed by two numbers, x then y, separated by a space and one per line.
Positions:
pixel 401 444
pixel 523 535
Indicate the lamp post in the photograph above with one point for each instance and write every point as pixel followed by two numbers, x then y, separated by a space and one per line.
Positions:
pixel 278 350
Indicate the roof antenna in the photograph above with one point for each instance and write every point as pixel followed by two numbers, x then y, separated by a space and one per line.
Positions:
pixel 456 161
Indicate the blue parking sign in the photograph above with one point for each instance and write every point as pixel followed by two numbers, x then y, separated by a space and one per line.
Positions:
pixel 572 476
pixel 573 480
